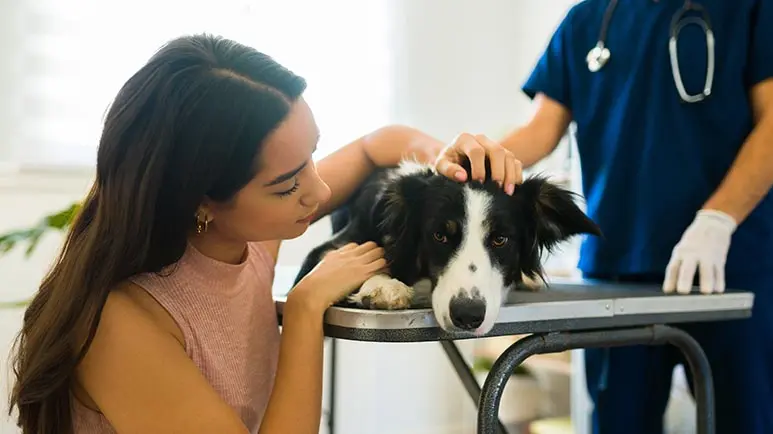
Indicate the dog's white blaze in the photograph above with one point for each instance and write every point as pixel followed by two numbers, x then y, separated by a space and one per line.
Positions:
pixel 471 267
pixel 410 167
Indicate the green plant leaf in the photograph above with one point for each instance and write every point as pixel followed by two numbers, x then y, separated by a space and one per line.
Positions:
pixel 62 219
pixel 484 364
pixel 33 241
pixel 9 240
pixel 58 221
pixel 14 304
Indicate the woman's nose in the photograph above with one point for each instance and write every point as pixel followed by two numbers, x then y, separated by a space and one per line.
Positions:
pixel 319 193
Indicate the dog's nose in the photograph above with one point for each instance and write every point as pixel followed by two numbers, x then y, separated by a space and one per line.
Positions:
pixel 467 313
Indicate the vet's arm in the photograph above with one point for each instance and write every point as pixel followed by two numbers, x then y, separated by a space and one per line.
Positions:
pixel 345 169
pixel 751 175
pixel 536 139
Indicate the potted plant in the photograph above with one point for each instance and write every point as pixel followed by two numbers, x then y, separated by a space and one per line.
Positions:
pixel 522 396
pixel 58 221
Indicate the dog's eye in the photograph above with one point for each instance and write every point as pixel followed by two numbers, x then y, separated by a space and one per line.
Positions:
pixel 499 241
pixel 440 237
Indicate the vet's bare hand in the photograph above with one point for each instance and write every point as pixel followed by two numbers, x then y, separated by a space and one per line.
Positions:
pixel 339 273
pixel 506 170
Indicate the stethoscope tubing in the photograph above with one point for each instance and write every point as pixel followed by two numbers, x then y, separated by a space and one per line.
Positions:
pixel 599 55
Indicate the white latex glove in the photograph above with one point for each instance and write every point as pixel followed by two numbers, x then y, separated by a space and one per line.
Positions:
pixel 703 248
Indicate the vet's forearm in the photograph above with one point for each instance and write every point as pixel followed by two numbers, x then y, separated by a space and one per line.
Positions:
pixel 529 145
pixel 751 175
pixel 295 406
pixel 539 137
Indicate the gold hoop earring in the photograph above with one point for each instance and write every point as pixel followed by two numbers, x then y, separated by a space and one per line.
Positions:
pixel 201 225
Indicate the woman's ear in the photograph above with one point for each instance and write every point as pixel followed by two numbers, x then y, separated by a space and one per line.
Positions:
pixel 207 209
pixel 204 214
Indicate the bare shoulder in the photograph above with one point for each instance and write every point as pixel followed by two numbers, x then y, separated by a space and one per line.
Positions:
pixel 136 372
pixel 140 299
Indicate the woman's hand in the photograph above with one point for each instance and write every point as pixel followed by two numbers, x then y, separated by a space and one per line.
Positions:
pixel 339 273
pixel 506 170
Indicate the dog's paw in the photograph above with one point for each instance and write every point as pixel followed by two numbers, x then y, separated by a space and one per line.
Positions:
pixel 422 294
pixel 382 292
pixel 530 284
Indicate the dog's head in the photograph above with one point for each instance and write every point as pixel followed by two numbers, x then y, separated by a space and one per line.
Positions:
pixel 473 240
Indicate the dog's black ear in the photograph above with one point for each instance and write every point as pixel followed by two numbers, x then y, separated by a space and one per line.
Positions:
pixel 399 213
pixel 553 217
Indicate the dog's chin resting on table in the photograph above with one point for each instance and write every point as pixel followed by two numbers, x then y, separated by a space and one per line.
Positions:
pixel 457 247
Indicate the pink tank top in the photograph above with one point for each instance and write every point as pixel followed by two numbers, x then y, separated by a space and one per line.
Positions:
pixel 227 316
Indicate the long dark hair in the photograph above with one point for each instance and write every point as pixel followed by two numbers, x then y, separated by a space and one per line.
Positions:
pixel 188 125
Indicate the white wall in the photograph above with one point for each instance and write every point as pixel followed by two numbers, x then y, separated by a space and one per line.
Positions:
pixel 458 65
pixel 9 73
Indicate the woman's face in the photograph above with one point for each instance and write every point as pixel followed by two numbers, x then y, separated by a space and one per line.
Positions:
pixel 284 195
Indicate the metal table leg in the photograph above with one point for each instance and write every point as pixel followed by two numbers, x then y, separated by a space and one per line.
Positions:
pixel 464 371
pixel 332 388
pixel 517 353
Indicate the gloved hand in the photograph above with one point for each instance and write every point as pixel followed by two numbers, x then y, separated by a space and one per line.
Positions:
pixel 703 247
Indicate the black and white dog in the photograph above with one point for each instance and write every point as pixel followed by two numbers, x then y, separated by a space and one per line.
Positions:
pixel 457 247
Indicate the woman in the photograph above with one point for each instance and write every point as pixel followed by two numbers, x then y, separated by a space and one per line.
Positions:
pixel 157 317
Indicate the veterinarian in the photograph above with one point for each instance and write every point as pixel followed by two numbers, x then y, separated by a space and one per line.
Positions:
pixel 677 164
pixel 158 316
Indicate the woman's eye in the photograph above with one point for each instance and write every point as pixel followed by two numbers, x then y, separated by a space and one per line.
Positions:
pixel 292 190
pixel 499 241
pixel 440 237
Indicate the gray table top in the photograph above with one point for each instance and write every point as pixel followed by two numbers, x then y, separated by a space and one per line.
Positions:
pixel 563 306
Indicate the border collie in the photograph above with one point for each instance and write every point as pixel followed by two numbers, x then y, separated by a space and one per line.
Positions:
pixel 457 247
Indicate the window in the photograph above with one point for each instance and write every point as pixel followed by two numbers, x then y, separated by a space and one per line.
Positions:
pixel 76 54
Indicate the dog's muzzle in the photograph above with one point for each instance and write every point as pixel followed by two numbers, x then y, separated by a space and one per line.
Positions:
pixel 467 312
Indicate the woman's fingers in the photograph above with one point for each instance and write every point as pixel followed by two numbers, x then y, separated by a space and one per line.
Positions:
pixel 377 266
pixel 347 247
pixel 372 255
pixel 364 247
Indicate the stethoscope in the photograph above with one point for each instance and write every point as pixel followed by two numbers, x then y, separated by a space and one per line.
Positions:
pixel 599 55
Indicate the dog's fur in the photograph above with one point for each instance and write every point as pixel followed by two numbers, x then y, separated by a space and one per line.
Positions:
pixel 456 247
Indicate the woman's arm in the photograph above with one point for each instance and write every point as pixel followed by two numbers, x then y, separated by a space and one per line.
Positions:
pixel 138 375
pixel 148 384
pixel 540 136
pixel 345 169
pixel 298 381
pixel 295 406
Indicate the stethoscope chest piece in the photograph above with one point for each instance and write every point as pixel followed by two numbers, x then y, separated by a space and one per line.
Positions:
pixel 597 57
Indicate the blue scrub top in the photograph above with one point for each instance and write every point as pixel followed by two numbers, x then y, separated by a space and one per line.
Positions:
pixel 650 161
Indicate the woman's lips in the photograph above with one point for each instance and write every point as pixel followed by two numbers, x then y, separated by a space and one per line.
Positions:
pixel 307 219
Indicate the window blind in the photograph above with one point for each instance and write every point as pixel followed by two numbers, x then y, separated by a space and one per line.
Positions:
pixel 75 55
